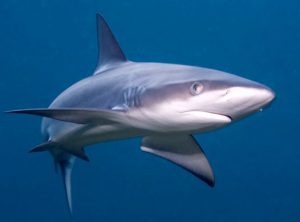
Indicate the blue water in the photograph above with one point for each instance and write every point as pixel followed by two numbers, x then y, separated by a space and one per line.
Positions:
pixel 45 46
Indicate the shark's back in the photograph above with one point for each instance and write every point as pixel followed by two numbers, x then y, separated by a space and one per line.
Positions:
pixel 96 91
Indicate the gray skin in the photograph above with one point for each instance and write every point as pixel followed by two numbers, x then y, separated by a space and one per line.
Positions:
pixel 158 99
pixel 163 103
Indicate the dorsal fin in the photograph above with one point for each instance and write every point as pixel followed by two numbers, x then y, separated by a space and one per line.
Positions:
pixel 110 54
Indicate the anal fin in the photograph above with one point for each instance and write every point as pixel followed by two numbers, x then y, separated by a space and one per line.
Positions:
pixel 78 152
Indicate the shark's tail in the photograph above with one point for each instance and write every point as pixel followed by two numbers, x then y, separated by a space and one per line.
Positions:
pixel 66 163
pixel 64 159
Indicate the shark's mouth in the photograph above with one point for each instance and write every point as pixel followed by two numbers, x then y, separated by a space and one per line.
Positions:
pixel 225 116
pixel 229 117
pixel 213 117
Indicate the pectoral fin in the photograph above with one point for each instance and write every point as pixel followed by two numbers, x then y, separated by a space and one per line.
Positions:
pixel 182 150
pixel 80 116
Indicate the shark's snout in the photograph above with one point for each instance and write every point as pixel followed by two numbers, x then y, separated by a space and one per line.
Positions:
pixel 261 96
pixel 246 99
pixel 267 95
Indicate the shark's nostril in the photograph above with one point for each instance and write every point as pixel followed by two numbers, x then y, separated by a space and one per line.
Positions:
pixel 226 92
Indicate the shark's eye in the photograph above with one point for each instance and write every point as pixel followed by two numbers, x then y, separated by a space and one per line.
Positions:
pixel 196 88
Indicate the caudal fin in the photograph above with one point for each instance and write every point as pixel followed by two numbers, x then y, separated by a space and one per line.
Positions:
pixel 64 158
pixel 66 165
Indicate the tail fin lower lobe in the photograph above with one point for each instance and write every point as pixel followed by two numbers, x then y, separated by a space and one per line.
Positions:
pixel 64 158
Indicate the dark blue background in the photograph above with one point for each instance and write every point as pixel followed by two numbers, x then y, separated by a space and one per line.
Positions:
pixel 45 46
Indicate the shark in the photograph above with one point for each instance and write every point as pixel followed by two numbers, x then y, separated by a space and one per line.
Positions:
pixel 163 104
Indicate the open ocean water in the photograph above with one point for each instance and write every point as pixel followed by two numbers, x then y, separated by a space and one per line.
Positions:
pixel 45 46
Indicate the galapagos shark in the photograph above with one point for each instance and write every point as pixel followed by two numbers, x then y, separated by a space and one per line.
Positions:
pixel 164 104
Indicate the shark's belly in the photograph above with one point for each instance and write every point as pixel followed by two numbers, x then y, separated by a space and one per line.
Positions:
pixel 102 133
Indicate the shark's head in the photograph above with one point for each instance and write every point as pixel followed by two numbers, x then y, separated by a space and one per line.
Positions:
pixel 204 99
pixel 226 94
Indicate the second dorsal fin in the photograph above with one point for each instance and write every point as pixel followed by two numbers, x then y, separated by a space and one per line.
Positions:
pixel 110 54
